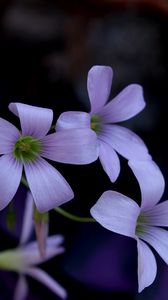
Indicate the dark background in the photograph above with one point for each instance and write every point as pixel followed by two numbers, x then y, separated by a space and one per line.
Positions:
pixel 46 51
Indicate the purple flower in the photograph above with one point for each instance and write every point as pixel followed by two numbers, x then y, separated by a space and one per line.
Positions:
pixel 26 256
pixel 112 138
pixel 122 215
pixel 48 187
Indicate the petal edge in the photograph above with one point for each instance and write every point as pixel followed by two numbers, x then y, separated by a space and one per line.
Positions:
pixel 116 213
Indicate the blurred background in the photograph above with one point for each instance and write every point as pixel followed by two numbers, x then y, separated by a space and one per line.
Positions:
pixel 46 51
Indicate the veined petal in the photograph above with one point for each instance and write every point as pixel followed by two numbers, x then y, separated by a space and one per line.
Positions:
pixel 8 136
pixel 116 212
pixel 99 85
pixel 48 187
pixel 124 106
pixel 109 160
pixel 147 267
pixel 27 224
pixel 125 142
pixel 48 281
pixel 157 215
pixel 21 289
pixel 35 121
pixel 157 238
pixel 72 146
pixel 73 119
pixel 10 176
pixel 151 182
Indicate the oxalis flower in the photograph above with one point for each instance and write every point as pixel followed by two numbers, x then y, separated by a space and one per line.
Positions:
pixel 26 148
pixel 103 116
pixel 26 256
pixel 122 215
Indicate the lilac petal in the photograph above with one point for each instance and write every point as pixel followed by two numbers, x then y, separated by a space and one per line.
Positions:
pixel 157 238
pixel 150 180
pixel 73 119
pixel 117 213
pixel 21 289
pixel 99 85
pixel 147 267
pixel 8 136
pixel 48 281
pixel 35 121
pixel 72 146
pixel 55 240
pixel 10 176
pixel 158 215
pixel 52 243
pixel 48 187
pixel 125 142
pixel 27 225
pixel 124 106
pixel 29 255
pixel 109 160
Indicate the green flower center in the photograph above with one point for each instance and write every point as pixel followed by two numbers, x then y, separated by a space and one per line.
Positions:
pixel 140 224
pixel 27 148
pixel 11 260
pixel 95 123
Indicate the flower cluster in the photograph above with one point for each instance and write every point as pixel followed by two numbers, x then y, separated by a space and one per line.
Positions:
pixel 81 138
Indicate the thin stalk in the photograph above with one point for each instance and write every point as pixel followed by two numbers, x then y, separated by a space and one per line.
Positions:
pixel 73 217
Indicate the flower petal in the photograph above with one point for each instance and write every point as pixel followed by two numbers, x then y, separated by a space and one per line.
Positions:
pixel 8 136
pixel 48 281
pixel 35 121
pixel 29 254
pixel 150 180
pixel 27 224
pixel 116 212
pixel 158 215
pixel 73 119
pixel 157 238
pixel 10 176
pixel 147 267
pixel 125 142
pixel 99 85
pixel 52 242
pixel 21 289
pixel 48 186
pixel 124 106
pixel 110 161
pixel 72 146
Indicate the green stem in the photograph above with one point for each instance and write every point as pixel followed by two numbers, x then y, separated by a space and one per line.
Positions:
pixel 62 211
pixel 73 217
pixel 24 182
pixel 11 216
pixel 52 127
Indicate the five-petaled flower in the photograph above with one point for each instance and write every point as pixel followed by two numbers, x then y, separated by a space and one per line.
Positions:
pixel 26 148
pixel 122 215
pixel 26 256
pixel 112 138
